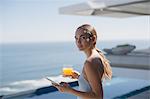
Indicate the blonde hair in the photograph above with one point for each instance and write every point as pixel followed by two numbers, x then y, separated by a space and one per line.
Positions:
pixel 107 68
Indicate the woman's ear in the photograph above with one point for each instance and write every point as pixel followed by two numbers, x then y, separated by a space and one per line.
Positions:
pixel 94 39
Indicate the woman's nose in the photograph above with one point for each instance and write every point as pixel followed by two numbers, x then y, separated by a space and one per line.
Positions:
pixel 78 41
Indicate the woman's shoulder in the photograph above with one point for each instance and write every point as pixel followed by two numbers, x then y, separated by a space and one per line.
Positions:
pixel 93 61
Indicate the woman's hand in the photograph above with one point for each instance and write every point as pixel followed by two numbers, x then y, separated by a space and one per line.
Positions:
pixel 63 87
pixel 75 75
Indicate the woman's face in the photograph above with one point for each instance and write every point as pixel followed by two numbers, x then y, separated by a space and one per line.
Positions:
pixel 83 41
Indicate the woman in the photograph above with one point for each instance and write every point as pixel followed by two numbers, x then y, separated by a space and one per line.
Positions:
pixel 96 66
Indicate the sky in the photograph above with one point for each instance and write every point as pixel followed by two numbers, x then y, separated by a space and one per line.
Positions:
pixel 40 21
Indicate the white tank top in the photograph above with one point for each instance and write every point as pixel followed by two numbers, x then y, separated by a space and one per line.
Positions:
pixel 84 86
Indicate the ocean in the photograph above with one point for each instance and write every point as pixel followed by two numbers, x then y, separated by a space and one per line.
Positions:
pixel 31 61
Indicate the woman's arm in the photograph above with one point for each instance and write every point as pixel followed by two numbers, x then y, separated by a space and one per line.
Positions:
pixel 66 89
pixel 94 77
pixel 94 81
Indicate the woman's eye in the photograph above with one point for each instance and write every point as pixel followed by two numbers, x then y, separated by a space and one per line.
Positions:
pixel 75 38
pixel 83 37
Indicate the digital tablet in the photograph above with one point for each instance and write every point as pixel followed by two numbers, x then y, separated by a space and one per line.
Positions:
pixel 53 82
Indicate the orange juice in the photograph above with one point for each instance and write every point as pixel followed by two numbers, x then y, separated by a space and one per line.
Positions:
pixel 67 71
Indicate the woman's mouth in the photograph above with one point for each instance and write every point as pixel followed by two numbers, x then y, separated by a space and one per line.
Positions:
pixel 79 46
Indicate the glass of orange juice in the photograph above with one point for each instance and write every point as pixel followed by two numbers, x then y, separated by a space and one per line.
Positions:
pixel 67 70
